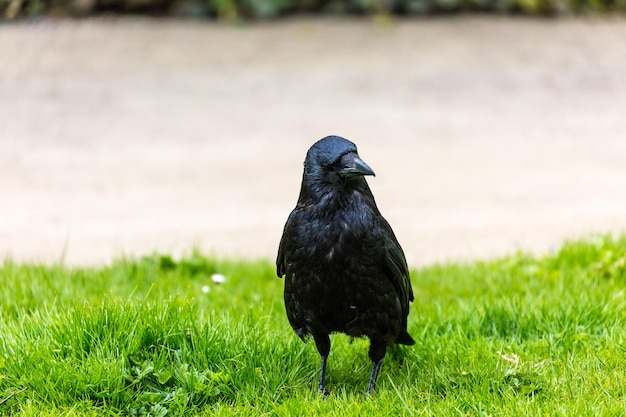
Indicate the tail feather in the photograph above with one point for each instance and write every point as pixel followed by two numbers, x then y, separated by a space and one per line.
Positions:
pixel 405 338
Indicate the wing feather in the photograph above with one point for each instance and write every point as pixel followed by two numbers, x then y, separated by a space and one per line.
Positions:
pixel 281 263
pixel 397 265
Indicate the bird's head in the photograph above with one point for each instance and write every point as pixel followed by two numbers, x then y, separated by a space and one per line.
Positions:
pixel 334 162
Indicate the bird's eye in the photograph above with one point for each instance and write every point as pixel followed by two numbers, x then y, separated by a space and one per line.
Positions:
pixel 334 167
pixel 327 166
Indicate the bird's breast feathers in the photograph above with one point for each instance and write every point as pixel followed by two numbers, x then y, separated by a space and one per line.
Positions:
pixel 326 237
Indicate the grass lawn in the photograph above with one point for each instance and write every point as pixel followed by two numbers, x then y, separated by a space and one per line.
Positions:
pixel 517 336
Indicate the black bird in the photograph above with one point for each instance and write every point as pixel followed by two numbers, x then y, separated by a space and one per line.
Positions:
pixel 344 268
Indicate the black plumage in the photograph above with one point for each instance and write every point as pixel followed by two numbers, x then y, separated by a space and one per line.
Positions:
pixel 344 268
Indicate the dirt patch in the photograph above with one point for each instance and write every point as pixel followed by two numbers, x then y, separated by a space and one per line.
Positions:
pixel 487 135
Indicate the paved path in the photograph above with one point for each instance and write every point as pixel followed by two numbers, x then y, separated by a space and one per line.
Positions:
pixel 487 135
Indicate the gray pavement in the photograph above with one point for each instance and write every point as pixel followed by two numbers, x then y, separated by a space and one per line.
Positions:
pixel 488 135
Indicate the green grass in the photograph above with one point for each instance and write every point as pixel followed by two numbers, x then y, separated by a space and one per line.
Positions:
pixel 518 336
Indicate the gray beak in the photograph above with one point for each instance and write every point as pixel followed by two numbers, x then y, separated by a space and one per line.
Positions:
pixel 357 167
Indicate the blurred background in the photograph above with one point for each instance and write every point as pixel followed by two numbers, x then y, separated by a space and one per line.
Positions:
pixel 489 133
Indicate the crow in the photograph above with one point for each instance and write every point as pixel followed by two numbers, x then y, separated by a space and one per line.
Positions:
pixel 343 266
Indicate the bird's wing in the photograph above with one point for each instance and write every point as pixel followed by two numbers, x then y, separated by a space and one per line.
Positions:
pixel 396 263
pixel 280 259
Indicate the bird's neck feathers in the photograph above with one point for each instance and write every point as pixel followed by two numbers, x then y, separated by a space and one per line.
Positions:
pixel 316 191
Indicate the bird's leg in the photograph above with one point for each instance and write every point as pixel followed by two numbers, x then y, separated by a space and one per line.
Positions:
pixel 377 354
pixel 371 386
pixel 322 385
pixel 323 347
